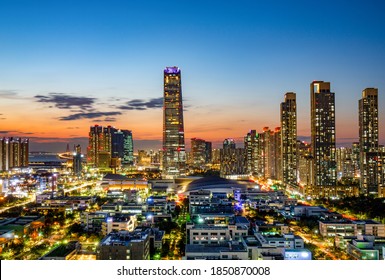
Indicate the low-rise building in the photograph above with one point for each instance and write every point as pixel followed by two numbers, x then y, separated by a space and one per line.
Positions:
pixel 211 234
pixel 331 228
pixel 92 221
pixel 23 225
pixel 63 252
pixel 74 202
pixel 271 229
pixel 209 252
pixel 124 245
pixel 308 211
pixel 119 223
pixel 370 227
pixel 363 249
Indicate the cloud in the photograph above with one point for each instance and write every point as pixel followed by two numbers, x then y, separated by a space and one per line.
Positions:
pixel 9 94
pixel 15 132
pixel 108 119
pixel 140 104
pixel 66 101
pixel 89 115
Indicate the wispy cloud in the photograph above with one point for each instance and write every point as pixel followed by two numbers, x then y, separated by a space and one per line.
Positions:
pixel 67 101
pixel 140 104
pixel 89 115
pixel 15 132
pixel 10 94
pixel 108 119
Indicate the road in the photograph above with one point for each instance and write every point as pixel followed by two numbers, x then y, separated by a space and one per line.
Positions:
pixel 320 244
pixel 31 199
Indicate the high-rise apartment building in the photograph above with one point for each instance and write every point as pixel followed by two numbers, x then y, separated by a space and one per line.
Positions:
pixel 174 154
pixel 289 139
pixel 198 152
pixel 356 158
pixel 107 143
pixel 305 163
pixel 95 145
pixel 269 153
pixel 209 150
pixel 371 179
pixel 13 153
pixel 251 151
pixel 232 159
pixel 323 138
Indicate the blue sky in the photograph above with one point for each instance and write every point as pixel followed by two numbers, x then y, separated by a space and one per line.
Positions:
pixel 238 58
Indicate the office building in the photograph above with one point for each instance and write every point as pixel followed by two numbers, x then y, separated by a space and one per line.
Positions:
pixel 123 146
pixel 323 139
pixel 124 245
pixel 289 147
pixel 174 154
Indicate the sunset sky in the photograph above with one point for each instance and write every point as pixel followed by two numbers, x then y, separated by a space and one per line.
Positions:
pixel 67 65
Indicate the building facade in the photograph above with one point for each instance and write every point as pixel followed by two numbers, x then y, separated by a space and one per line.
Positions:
pixel 371 178
pixel 289 139
pixel 13 153
pixel 232 159
pixel 251 151
pixel 174 154
pixel 323 138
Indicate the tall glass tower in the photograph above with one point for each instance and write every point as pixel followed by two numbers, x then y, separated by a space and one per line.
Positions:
pixel 174 153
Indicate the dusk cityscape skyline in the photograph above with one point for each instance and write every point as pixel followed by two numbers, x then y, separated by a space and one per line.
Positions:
pixel 239 59
pixel 204 130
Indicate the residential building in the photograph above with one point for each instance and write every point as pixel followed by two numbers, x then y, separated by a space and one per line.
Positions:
pixel 289 146
pixel 323 139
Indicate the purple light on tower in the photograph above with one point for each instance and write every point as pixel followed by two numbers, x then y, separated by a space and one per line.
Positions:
pixel 172 70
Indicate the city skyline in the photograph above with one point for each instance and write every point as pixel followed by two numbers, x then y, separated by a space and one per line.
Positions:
pixel 64 72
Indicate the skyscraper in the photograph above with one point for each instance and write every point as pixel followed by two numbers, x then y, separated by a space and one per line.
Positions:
pixel 198 152
pixel 96 144
pixel 323 138
pixel 289 139
pixel 77 160
pixel 123 146
pixel 251 151
pixel 174 154
pixel 13 153
pixel 370 162
pixel 232 159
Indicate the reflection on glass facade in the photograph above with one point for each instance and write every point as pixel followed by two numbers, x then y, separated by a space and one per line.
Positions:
pixel 174 154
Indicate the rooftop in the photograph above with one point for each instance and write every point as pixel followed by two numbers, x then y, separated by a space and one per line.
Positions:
pixel 63 250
